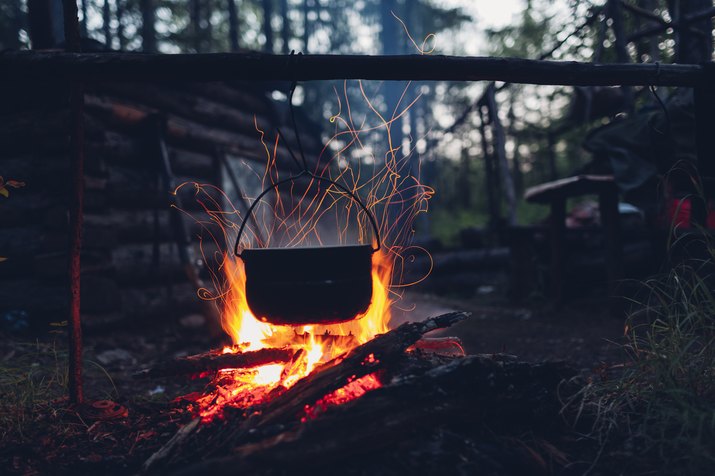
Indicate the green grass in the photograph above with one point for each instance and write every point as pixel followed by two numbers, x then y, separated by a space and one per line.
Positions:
pixel 446 223
pixel 31 376
pixel 658 410
pixel 33 390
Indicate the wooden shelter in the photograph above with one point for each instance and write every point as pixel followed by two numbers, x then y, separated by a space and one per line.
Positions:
pixel 136 259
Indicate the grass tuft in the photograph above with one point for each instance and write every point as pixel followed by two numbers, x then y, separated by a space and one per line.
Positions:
pixel 657 411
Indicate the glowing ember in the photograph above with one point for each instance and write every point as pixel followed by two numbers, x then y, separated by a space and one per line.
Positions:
pixel 355 389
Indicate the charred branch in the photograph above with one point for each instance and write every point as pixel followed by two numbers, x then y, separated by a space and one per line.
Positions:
pixel 213 361
pixel 480 397
pixel 332 375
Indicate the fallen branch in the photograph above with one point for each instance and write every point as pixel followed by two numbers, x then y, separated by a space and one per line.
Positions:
pixel 213 361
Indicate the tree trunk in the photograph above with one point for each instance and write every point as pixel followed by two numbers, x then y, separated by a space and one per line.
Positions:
pixel 106 20
pixel 119 4
pixel 40 24
pixel 196 25
pixel 267 27
pixel 551 151
pixel 233 24
pixel 83 23
pixel 306 24
pixel 490 184
pixel 207 28
pixel 614 11
pixel 148 29
pixel 516 167
pixel 11 38
pixel 500 153
pixel 388 38
pixel 285 29
pixel 653 50
pixel 689 46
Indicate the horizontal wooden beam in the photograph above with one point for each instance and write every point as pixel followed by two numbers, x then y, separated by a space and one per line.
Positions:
pixel 54 66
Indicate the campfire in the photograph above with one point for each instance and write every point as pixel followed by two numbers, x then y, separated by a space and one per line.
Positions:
pixel 268 357
pixel 357 382
pixel 306 346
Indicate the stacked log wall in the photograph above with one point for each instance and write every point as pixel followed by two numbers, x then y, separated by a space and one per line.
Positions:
pixel 131 269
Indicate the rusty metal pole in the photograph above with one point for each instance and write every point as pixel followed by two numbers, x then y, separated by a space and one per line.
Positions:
pixel 74 332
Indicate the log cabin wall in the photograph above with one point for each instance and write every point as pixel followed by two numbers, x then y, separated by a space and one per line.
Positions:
pixel 131 270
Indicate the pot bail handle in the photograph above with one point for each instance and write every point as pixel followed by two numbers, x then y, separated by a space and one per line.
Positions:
pixel 343 189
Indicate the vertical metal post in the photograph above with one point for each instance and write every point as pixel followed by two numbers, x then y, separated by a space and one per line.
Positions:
pixel 72 36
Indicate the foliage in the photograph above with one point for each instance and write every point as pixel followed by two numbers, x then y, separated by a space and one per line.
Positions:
pixel 33 389
pixel 658 411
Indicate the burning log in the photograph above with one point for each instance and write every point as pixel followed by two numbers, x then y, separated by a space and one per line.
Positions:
pixel 285 406
pixel 471 392
pixel 215 360
pixel 338 372
pixel 466 409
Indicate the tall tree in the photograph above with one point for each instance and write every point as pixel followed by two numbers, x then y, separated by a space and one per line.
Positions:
pixel 694 43
pixel 11 22
pixel 616 15
pixel 233 25
pixel 285 26
pixel 40 14
pixel 267 25
pixel 106 23
pixel 306 24
pixel 119 13
pixel 197 31
pixel 148 25
pixel 390 46
pixel 83 23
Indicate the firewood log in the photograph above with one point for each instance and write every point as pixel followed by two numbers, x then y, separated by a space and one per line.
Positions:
pixel 212 361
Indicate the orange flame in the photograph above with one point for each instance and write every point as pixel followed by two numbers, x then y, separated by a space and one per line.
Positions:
pixel 314 344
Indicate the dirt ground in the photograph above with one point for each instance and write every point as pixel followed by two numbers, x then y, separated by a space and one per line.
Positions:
pixel 581 332
pixel 33 375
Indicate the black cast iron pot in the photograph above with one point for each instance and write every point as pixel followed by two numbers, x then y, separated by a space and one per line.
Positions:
pixel 311 285
pixel 298 286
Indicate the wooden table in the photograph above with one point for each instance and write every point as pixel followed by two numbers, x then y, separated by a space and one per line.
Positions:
pixel 555 194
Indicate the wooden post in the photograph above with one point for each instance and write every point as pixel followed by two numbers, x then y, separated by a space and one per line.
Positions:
pixel 75 212
pixel 610 219
pixel 557 231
